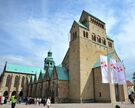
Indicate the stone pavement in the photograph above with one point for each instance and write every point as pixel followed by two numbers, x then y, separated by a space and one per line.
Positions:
pixel 81 105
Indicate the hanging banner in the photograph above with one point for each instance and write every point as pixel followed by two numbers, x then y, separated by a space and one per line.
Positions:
pixel 104 69
pixel 121 73
pixel 113 70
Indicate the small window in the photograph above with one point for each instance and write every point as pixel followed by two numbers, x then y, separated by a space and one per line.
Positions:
pixel 110 44
pixel 99 39
pixel 99 94
pixel 103 41
pixel 74 36
pixel 93 37
pixel 84 33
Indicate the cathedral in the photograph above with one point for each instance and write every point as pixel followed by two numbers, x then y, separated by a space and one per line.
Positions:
pixel 77 78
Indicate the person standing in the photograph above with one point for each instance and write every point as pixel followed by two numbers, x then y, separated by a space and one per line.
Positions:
pixel 48 103
pixel 13 101
pixel 3 98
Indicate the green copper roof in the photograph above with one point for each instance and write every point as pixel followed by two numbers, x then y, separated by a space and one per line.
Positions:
pixel 62 73
pixel 97 64
pixel 21 69
pixel 81 25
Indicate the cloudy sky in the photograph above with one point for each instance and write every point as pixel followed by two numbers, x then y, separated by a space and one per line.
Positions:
pixel 30 28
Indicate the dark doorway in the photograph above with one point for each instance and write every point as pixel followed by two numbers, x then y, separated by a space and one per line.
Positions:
pixel 21 94
pixel 13 93
pixel 5 94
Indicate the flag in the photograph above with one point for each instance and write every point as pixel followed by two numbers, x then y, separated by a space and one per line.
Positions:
pixel 113 70
pixel 121 73
pixel 104 69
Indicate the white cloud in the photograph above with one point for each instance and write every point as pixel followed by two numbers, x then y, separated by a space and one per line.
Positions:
pixel 125 42
pixel 53 32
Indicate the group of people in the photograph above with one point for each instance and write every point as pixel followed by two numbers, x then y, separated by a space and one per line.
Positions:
pixel 44 101
pixel 29 100
pixel 3 100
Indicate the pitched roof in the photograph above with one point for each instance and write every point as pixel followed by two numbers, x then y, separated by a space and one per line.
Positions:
pixel 62 73
pixel 129 83
pixel 21 69
pixel 93 16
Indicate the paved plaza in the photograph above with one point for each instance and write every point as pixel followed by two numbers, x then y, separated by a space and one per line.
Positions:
pixel 83 105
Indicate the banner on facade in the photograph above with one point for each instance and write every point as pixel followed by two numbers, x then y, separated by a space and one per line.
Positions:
pixel 113 70
pixel 104 69
pixel 121 73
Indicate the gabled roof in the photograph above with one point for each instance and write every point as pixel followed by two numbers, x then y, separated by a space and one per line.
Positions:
pixel 62 73
pixel 38 74
pixel 93 16
pixel 129 83
pixel 42 73
pixel 21 69
pixel 81 25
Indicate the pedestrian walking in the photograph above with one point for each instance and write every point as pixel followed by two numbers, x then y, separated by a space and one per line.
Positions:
pixel 48 103
pixel 13 101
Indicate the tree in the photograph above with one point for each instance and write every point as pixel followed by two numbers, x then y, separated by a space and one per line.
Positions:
pixel 134 80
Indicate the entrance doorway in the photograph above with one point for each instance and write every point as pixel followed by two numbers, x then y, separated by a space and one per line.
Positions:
pixel 13 93
pixel 5 94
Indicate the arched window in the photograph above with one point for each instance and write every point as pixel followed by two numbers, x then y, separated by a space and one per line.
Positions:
pixel 16 82
pixel 8 81
pixel 103 41
pixel 110 44
pixel 23 79
pixel 99 39
pixel 93 36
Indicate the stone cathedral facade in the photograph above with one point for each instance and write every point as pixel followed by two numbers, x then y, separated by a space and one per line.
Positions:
pixel 78 77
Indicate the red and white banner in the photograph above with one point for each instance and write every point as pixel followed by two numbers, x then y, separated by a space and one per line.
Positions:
pixel 113 70
pixel 104 69
pixel 121 73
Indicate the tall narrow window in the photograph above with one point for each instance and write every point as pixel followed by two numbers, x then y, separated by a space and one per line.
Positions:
pixel 93 36
pixel 84 33
pixel 103 41
pixel 16 82
pixel 99 39
pixel 23 79
pixel 8 81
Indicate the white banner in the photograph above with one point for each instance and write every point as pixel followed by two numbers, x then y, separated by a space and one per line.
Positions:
pixel 121 73
pixel 104 69
pixel 113 70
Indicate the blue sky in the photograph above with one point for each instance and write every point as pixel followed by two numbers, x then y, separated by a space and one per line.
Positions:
pixel 30 28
